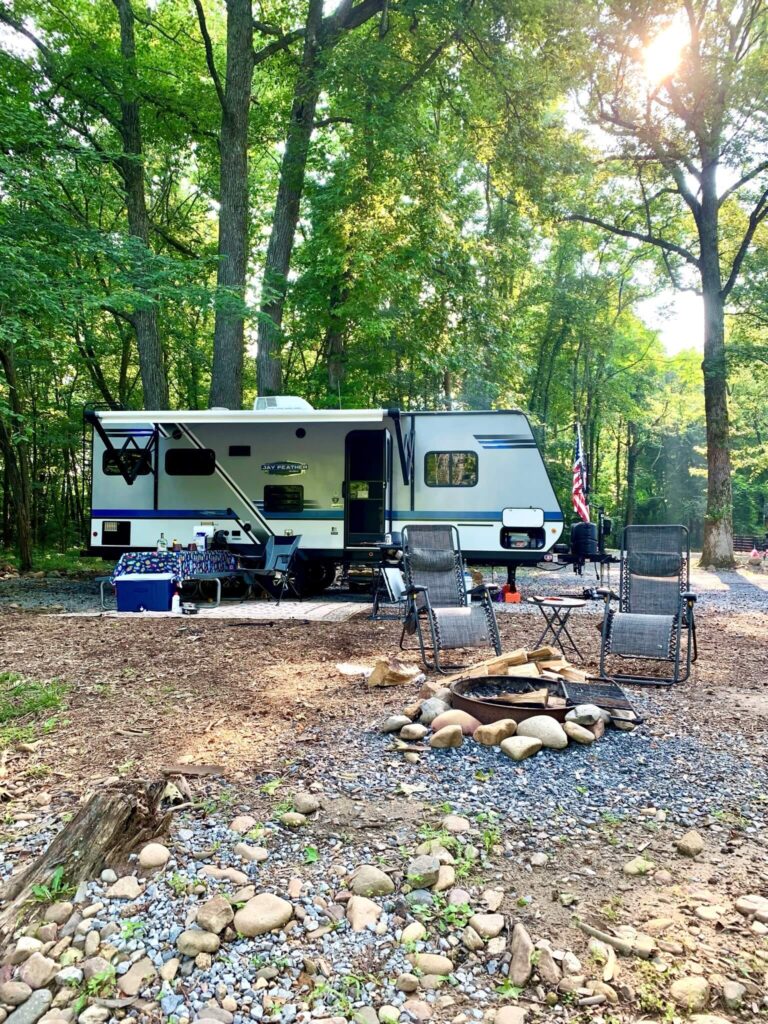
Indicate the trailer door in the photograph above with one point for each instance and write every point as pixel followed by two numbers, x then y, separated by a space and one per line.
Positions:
pixel 365 486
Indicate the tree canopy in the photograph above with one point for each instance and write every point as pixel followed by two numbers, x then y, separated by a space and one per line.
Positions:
pixel 389 202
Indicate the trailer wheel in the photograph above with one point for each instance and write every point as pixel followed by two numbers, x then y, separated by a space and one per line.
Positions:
pixel 313 577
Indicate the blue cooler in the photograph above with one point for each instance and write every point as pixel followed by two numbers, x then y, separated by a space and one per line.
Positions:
pixel 151 591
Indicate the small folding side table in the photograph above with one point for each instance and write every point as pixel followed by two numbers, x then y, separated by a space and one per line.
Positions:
pixel 556 612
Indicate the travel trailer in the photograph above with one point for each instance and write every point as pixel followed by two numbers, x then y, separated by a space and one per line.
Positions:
pixel 346 480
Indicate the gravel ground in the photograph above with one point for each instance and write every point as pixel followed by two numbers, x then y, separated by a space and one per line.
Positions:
pixel 572 791
pixel 744 590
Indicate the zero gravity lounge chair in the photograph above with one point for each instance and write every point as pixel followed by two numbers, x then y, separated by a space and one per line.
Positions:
pixel 436 597
pixel 654 620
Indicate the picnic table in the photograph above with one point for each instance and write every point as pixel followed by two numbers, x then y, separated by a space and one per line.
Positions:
pixel 182 565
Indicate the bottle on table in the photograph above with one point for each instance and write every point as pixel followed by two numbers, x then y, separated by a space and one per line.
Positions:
pixel 176 602
pixel 162 544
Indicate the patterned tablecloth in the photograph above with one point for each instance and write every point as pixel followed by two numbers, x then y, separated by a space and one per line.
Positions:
pixel 182 564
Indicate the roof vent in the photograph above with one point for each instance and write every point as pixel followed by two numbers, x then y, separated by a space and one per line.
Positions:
pixel 275 403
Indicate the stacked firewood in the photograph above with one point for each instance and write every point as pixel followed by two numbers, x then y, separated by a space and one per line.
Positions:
pixel 546 664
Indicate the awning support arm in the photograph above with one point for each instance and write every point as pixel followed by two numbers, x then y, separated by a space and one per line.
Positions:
pixel 127 471
pixel 404 447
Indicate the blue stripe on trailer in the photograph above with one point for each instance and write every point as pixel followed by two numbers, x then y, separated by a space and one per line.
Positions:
pixel 161 513
pixel 314 513
pixel 214 513
pixel 549 517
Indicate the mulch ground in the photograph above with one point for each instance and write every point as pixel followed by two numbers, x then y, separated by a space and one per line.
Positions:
pixel 145 694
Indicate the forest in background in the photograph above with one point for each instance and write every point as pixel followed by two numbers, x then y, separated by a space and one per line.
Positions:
pixel 427 205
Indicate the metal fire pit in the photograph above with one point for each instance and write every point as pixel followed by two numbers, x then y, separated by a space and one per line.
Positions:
pixel 476 697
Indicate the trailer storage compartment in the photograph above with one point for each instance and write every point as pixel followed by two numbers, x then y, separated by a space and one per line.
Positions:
pixel 147 591
pixel 513 540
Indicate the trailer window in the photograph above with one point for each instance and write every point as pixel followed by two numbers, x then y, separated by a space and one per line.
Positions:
pixel 450 469
pixel 113 463
pixel 190 462
pixel 283 498
pixel 239 450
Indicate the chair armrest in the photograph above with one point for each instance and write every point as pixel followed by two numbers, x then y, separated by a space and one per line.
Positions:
pixel 689 597
pixel 413 589
pixel 607 594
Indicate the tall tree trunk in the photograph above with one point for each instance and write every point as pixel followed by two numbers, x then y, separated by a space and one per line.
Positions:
pixel 287 205
pixel 717 548
pixel 131 166
pixel 228 334
pixel 123 389
pixel 6 534
pixel 16 459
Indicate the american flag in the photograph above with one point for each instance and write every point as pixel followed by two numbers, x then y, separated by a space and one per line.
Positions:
pixel 579 488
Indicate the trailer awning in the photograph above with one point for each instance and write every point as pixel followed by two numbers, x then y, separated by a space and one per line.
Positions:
pixel 135 417
pixel 107 423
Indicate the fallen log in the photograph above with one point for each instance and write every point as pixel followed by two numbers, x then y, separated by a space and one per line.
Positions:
pixel 106 829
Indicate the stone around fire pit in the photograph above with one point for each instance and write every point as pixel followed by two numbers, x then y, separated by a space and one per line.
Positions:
pixel 431 708
pixel 455 717
pixel 493 733
pixel 586 714
pixel 579 733
pixel 546 729
pixel 519 747
pixel 448 736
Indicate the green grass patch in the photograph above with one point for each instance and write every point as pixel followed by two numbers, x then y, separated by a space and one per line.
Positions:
pixel 26 706
pixel 58 561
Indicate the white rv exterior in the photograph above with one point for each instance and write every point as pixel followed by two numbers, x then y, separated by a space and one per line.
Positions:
pixel 342 479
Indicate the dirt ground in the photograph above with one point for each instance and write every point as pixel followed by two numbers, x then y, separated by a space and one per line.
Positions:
pixel 148 693
pixel 254 697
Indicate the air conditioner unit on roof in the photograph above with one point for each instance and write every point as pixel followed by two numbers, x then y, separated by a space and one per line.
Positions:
pixel 275 402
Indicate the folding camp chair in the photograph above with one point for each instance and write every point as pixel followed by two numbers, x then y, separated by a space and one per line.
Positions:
pixel 279 568
pixel 654 618
pixel 437 610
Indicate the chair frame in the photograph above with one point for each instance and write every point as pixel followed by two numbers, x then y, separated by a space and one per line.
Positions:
pixel 684 620
pixel 418 606
pixel 285 574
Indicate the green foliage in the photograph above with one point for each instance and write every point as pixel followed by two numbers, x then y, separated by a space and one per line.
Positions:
pixel 271 787
pixel 22 704
pixel 132 929
pixel 433 267
pixel 177 883
pixel 55 889
pixel 441 915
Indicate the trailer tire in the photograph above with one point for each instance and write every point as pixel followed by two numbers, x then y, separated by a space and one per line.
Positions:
pixel 313 577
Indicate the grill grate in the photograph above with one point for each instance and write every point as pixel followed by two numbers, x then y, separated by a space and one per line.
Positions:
pixel 606 695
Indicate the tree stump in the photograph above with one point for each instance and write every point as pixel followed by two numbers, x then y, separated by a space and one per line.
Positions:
pixel 106 829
